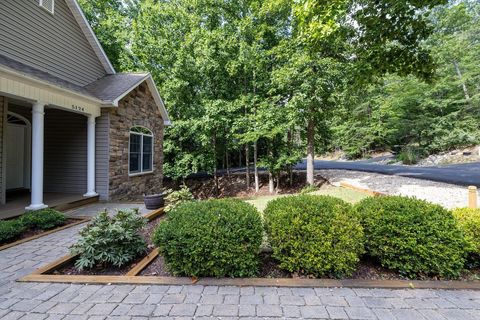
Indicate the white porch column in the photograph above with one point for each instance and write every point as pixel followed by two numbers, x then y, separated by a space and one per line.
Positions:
pixel 90 157
pixel 38 112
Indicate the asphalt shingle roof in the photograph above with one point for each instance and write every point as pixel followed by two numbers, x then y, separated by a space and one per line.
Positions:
pixel 112 86
pixel 107 88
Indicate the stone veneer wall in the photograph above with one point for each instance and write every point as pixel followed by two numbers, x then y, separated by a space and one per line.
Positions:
pixel 137 108
pixel 3 112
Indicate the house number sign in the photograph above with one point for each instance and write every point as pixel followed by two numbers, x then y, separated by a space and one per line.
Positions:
pixel 78 108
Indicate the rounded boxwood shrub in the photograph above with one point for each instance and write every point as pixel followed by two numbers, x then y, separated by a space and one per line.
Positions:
pixel 469 222
pixel 214 238
pixel 314 235
pixel 10 229
pixel 412 236
pixel 43 219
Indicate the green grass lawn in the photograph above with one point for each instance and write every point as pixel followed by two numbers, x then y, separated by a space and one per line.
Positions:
pixel 345 194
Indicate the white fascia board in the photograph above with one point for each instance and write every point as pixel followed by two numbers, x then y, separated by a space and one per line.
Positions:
pixel 90 35
pixel 120 97
pixel 158 99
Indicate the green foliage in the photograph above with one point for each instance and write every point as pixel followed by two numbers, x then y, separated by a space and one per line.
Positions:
pixel 110 241
pixel 412 236
pixel 469 222
pixel 409 155
pixel 175 198
pixel 43 219
pixel 10 229
pixel 215 238
pixel 435 116
pixel 314 235
pixel 246 73
pixel 308 189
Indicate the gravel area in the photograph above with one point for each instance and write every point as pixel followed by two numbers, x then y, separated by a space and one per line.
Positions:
pixel 447 195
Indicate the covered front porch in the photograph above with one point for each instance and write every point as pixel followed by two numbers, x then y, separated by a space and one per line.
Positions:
pixel 47 152
pixel 17 201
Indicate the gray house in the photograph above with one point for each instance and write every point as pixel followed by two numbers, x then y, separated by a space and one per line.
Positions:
pixel 70 126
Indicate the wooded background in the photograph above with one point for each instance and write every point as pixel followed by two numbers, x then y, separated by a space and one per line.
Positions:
pixel 270 82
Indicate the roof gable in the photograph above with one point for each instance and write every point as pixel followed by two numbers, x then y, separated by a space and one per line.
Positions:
pixel 90 35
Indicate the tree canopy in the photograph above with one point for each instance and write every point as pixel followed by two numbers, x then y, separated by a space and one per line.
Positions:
pixel 273 81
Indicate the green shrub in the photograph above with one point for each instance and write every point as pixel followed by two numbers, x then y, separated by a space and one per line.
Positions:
pixel 314 235
pixel 410 155
pixel 110 240
pixel 211 238
pixel 175 198
pixel 469 222
pixel 308 189
pixel 10 229
pixel 43 219
pixel 412 236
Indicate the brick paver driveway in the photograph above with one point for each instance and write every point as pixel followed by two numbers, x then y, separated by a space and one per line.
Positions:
pixel 32 301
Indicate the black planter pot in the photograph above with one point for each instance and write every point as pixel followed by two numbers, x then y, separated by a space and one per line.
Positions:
pixel 154 201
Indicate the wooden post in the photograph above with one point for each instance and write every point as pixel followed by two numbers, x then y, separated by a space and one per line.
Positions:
pixel 472 197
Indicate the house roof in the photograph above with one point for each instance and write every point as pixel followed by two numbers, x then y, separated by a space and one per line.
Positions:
pixel 112 86
pixel 108 90
pixel 32 72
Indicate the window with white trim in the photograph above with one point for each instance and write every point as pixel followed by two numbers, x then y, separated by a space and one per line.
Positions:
pixel 140 154
pixel 48 5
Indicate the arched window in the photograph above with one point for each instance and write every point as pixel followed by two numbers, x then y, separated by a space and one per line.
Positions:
pixel 140 155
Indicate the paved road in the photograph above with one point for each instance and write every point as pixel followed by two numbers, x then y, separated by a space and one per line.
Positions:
pixel 461 174
pixel 467 174
pixel 31 301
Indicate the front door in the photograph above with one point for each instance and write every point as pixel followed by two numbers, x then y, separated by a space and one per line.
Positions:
pixel 16 138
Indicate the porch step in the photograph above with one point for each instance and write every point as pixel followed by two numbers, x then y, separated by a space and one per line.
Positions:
pixel 75 203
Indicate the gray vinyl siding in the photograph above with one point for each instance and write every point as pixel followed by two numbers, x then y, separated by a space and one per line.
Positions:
pixel 102 155
pixel 65 156
pixel 52 43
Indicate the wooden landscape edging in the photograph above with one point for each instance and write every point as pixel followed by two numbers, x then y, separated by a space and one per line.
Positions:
pixel 45 233
pixel 132 277
pixel 258 282
pixel 42 276
pixel 362 190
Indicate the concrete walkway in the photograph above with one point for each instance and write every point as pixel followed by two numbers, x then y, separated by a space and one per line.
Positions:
pixel 31 301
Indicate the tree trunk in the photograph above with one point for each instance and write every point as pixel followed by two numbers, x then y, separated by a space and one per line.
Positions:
pixel 255 147
pixel 271 186
pixel 255 168
pixel 460 76
pixel 278 181
pixel 247 165
pixel 215 174
pixel 290 146
pixel 240 158
pixel 290 172
pixel 310 150
pixel 227 163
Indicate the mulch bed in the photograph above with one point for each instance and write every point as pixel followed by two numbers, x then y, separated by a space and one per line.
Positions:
pixel 368 269
pixel 234 185
pixel 146 232
pixel 33 232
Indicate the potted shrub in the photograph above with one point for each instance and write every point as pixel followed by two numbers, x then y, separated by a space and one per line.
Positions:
pixel 154 201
